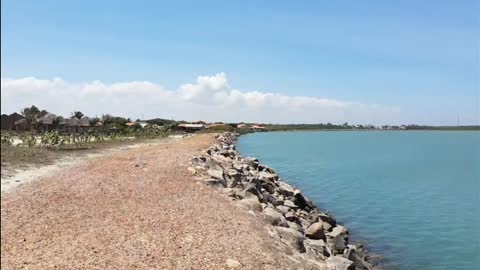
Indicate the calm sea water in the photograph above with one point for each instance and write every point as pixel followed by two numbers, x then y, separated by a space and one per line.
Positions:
pixel 412 196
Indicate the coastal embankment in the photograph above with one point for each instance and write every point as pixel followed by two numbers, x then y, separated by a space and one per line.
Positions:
pixel 148 207
pixel 293 221
pixel 136 208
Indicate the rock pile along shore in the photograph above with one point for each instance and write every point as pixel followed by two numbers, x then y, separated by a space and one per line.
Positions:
pixel 292 219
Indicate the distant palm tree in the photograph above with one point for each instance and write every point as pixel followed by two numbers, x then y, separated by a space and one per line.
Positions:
pixel 93 121
pixel 106 119
pixel 77 114
pixel 57 121
pixel 32 114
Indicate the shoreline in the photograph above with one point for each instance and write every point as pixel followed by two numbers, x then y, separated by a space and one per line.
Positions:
pixel 293 219
pixel 144 201
pixel 139 208
pixel 361 130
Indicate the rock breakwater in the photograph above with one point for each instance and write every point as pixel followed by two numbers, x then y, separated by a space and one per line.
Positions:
pixel 292 219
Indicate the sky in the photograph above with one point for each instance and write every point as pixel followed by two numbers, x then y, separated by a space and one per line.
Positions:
pixel 362 62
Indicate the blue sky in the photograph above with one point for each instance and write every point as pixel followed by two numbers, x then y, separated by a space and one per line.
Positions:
pixel 418 58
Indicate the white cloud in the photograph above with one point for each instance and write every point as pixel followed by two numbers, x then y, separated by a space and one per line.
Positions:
pixel 209 98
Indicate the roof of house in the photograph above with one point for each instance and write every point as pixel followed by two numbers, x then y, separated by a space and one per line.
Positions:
pixel 75 122
pixel 47 119
pixel 257 126
pixel 192 125
pixel 21 121
pixel 17 115
pixel 217 125
pixel 85 122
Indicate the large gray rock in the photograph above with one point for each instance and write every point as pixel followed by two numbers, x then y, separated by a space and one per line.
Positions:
pixel 270 188
pixel 313 216
pixel 326 226
pixel 326 218
pixel 221 161
pixel 302 214
pixel 339 263
pixel 337 238
pixel 285 189
pixel 214 183
pixel 306 223
pixel 292 237
pixel 338 230
pixel 224 153
pixel 280 199
pixel 316 231
pixel 275 218
pixel 290 204
pixel 290 216
pixel 216 174
pixel 337 243
pixel 252 188
pixel 300 199
pixel 234 193
pixel 229 192
pixel 252 204
pixel 239 166
pixel 199 161
pixel 295 226
pixel 252 162
pixel 270 198
pixel 320 243
pixel 234 177
pixel 318 246
pixel 349 250
pixel 267 176
pixel 284 209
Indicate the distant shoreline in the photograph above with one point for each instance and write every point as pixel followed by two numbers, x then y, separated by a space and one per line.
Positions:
pixel 362 130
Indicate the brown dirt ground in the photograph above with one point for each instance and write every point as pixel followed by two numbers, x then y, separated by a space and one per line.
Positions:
pixel 108 213
pixel 14 158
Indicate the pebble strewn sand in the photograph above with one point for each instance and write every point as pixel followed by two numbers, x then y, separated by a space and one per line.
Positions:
pixel 139 208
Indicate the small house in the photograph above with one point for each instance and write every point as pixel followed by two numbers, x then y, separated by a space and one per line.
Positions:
pixel 8 121
pixel 190 127
pixel 47 122
pixel 258 128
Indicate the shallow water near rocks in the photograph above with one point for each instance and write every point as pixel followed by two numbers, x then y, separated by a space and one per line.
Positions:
pixel 412 196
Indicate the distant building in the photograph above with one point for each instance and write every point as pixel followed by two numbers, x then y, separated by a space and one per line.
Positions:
pixel 190 127
pixel 142 123
pixel 258 128
pixel 47 122
pixel 216 125
pixel 8 121
pixel 74 125
pixel 243 126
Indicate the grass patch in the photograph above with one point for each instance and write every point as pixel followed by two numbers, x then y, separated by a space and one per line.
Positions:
pixel 24 156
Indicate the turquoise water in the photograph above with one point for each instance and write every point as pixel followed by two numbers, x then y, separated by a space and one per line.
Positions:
pixel 412 196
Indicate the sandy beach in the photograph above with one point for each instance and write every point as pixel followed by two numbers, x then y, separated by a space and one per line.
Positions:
pixel 137 208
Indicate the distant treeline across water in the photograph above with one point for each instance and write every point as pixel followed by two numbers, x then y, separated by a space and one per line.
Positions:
pixel 287 127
